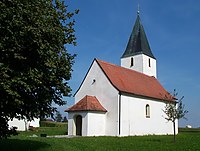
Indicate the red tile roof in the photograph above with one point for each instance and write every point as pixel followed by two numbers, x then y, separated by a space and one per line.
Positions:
pixel 133 82
pixel 88 103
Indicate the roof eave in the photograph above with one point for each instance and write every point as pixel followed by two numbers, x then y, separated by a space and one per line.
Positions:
pixel 135 54
pixel 85 111
pixel 139 95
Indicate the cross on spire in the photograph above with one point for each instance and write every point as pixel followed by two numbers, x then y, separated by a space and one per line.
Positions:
pixel 138 11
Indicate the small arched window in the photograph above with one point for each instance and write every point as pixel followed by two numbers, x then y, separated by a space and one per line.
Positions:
pixel 132 62
pixel 149 62
pixel 147 110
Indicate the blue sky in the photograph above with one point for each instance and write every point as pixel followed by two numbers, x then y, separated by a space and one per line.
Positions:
pixel 172 27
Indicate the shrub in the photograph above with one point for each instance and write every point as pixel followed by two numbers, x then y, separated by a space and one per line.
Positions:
pixel 52 124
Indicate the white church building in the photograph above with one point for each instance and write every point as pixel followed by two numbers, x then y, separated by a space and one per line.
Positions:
pixel 122 100
pixel 23 124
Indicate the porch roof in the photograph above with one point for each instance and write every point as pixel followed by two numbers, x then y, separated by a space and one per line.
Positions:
pixel 88 103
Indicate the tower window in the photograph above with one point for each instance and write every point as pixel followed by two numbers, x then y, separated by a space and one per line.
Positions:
pixel 149 62
pixel 132 62
pixel 147 110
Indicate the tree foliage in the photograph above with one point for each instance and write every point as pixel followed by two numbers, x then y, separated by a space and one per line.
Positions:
pixel 58 117
pixel 65 119
pixel 35 65
pixel 175 111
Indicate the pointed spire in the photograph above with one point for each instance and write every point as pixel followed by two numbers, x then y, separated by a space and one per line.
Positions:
pixel 138 43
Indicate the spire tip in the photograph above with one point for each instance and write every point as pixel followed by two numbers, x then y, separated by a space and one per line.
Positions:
pixel 138 11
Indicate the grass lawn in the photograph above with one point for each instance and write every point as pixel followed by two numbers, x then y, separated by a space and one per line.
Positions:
pixel 187 140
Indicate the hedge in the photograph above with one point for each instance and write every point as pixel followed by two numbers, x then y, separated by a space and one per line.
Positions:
pixel 52 124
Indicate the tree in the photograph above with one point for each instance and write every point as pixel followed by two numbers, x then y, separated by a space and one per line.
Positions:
pixel 175 111
pixel 65 119
pixel 35 65
pixel 58 117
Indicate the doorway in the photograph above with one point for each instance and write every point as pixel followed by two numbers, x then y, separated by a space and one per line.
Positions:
pixel 78 125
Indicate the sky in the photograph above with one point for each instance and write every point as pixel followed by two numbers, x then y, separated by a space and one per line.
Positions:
pixel 172 27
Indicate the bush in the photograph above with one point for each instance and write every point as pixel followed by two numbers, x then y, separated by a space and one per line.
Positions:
pixel 52 124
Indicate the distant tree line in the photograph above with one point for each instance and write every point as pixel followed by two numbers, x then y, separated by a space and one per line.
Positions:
pixel 59 118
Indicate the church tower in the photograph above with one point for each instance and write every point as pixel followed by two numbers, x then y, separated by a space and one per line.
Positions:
pixel 138 55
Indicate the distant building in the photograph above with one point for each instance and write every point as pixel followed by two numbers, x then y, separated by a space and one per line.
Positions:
pixel 122 100
pixel 23 125
pixel 188 126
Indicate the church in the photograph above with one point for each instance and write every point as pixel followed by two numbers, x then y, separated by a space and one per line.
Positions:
pixel 124 100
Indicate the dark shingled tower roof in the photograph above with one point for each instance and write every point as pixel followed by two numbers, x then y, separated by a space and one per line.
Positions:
pixel 138 43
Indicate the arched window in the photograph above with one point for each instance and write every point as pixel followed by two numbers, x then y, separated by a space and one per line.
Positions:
pixel 147 109
pixel 132 62
pixel 149 62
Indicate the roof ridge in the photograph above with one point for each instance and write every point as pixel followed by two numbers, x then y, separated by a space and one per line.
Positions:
pixel 87 100
pixel 131 70
pixel 142 84
pixel 87 103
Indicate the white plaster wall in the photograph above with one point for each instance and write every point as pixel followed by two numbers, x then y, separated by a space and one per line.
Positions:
pixel 134 121
pixel 137 63
pixel 23 125
pixel 72 126
pixel 96 124
pixel 105 93
pixel 34 123
pixel 93 123
pixel 141 64
pixel 149 70
pixel 20 124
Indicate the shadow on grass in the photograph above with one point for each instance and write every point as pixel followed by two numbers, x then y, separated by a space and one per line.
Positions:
pixel 21 145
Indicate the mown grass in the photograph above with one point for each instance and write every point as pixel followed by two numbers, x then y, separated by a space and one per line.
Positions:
pixel 186 141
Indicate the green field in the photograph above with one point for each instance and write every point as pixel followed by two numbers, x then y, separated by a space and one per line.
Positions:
pixel 187 140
